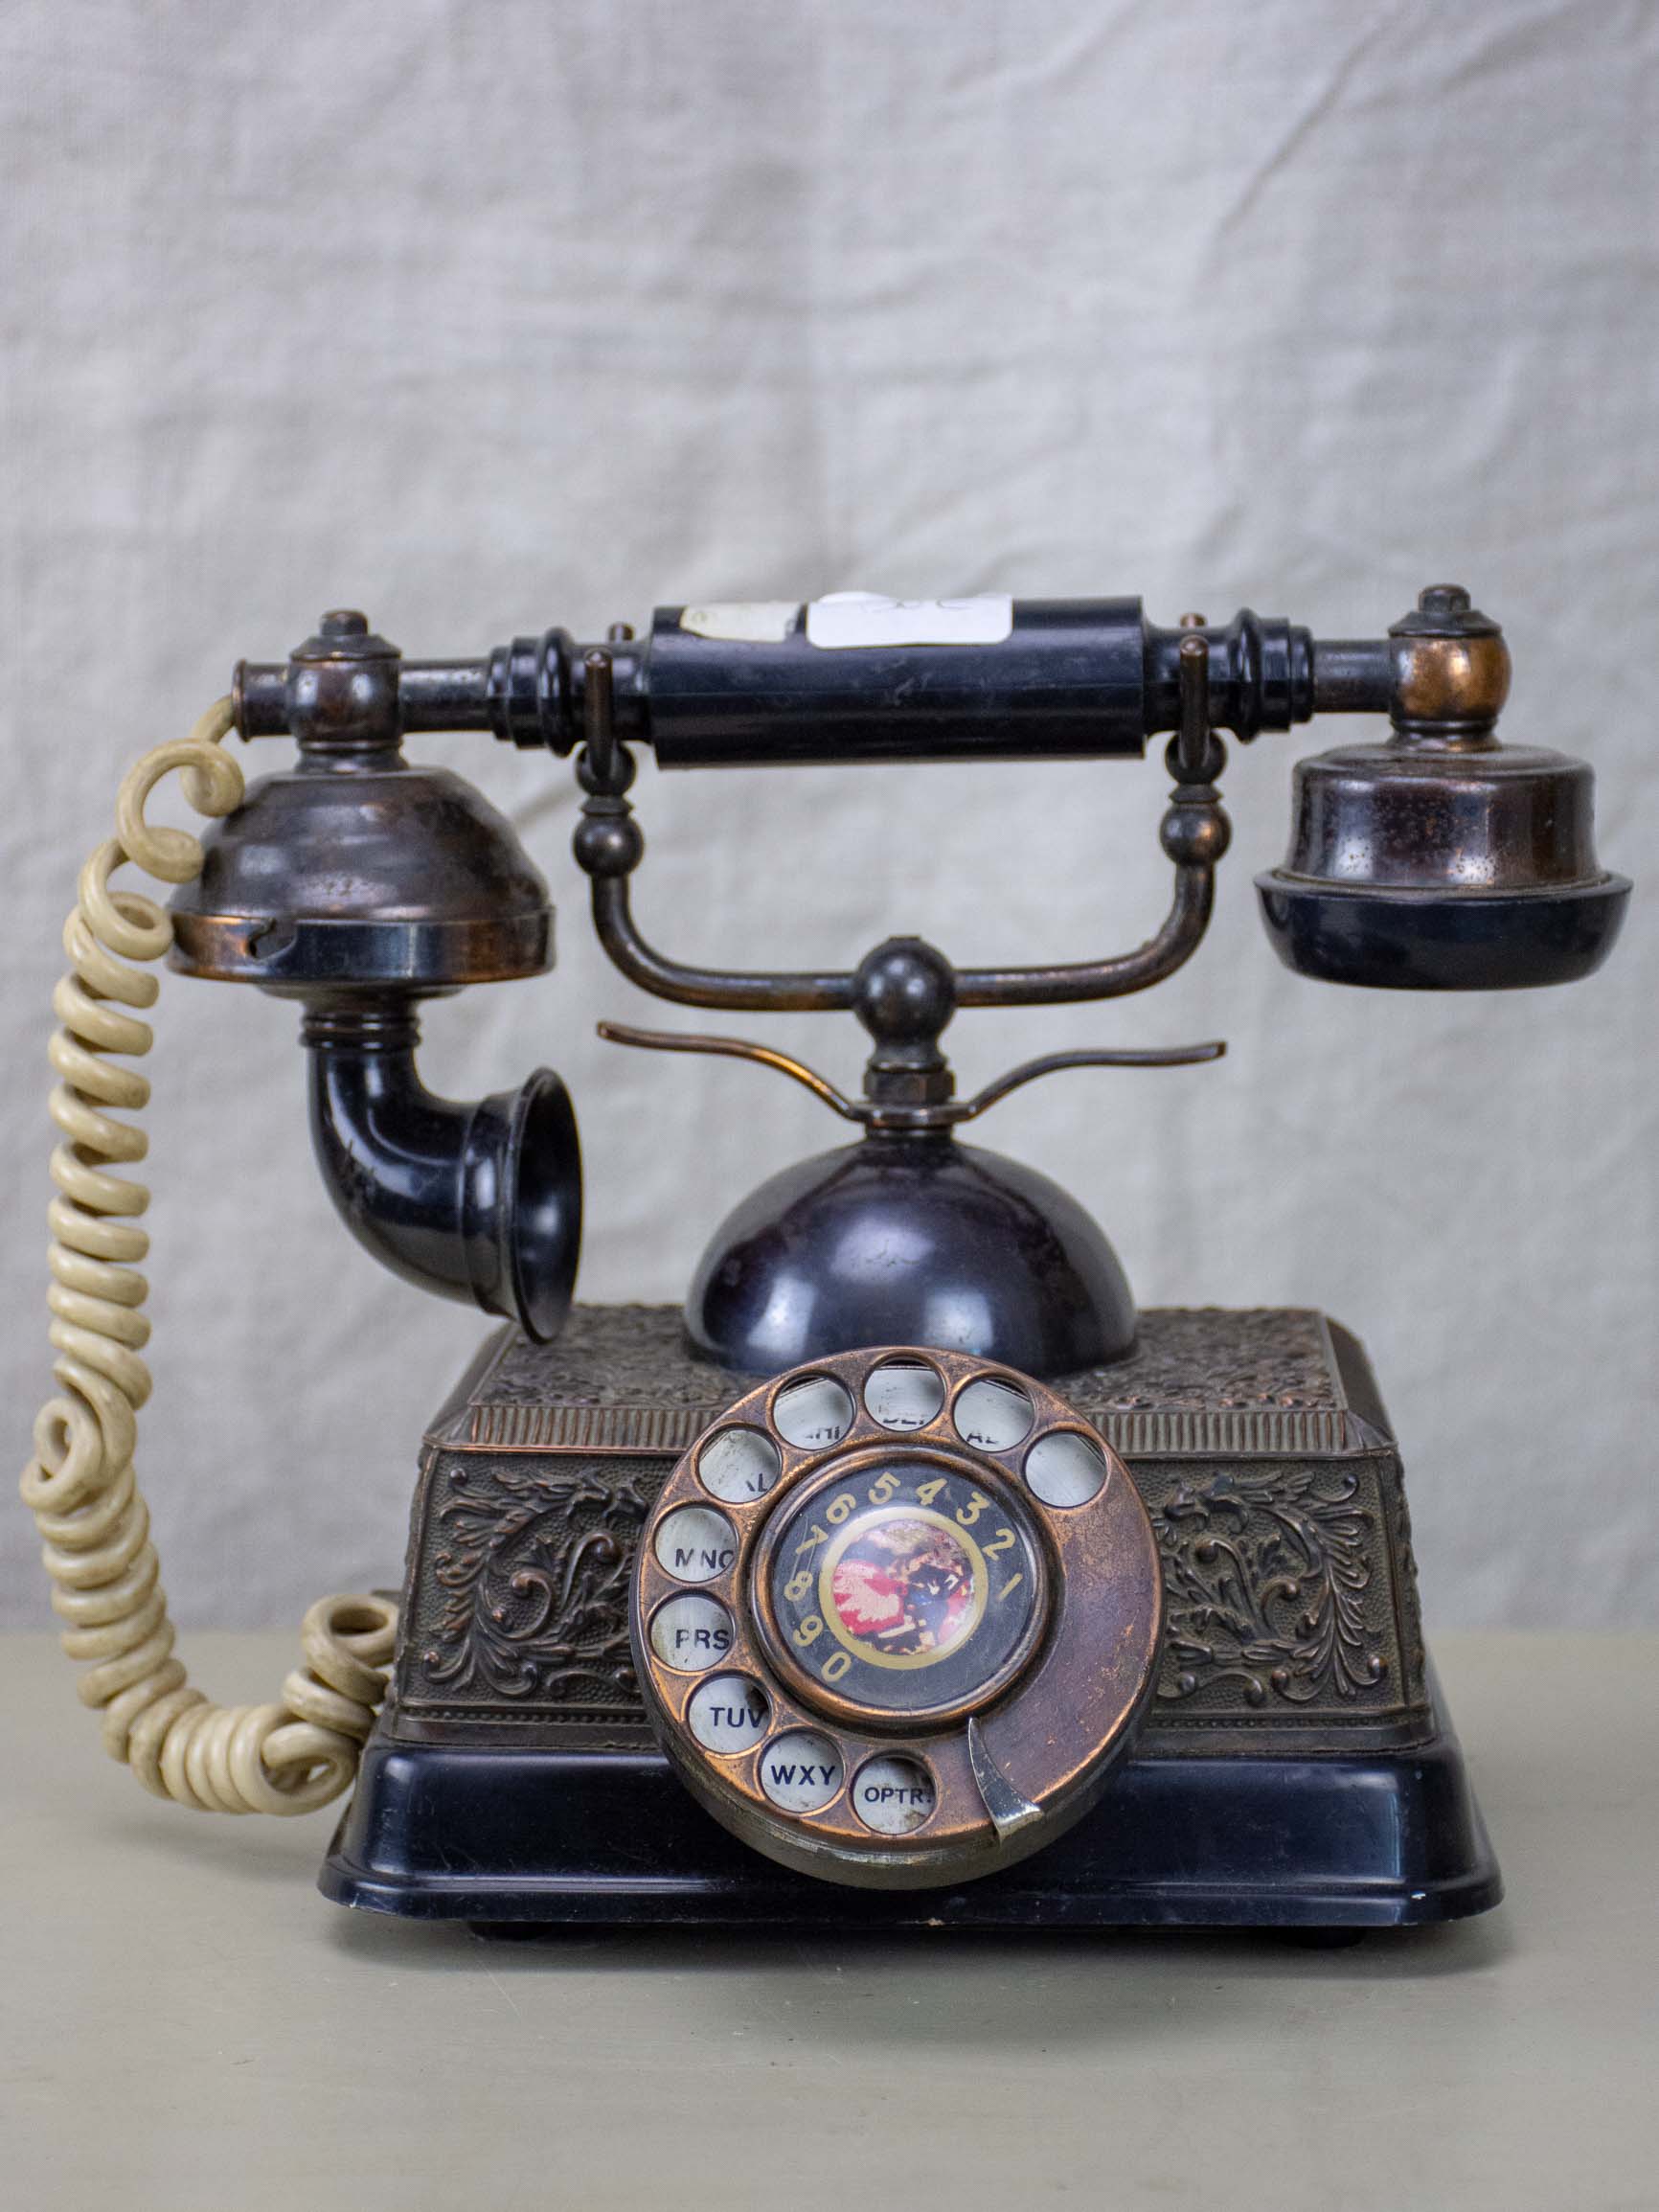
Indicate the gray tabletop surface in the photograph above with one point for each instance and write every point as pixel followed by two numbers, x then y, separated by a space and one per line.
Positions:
pixel 185 2023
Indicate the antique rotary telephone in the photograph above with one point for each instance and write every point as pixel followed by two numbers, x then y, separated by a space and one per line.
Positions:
pixel 953 1586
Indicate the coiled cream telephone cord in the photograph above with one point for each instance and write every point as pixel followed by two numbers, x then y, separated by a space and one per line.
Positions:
pixel 287 1757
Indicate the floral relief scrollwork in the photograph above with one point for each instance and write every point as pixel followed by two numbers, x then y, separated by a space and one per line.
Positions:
pixel 1266 1576
pixel 535 1576
pixel 607 1356
pixel 1201 1359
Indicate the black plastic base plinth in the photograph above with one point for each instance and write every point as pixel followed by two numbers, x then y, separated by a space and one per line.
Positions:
pixel 1386 1839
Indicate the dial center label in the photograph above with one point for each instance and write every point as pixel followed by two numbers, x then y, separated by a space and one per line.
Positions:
pixel 906 1588
pixel 901 1583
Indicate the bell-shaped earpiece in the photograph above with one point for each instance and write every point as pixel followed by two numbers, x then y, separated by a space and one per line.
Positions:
pixel 1442 860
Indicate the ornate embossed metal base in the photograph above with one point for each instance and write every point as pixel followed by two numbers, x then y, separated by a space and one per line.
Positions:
pixel 1296 1768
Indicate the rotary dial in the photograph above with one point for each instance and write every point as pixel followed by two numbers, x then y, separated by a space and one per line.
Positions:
pixel 896 1615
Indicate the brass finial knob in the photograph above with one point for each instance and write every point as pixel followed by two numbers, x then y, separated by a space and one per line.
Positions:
pixel 1451 670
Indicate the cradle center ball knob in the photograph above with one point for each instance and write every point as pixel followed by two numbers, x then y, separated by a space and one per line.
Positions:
pixel 904 992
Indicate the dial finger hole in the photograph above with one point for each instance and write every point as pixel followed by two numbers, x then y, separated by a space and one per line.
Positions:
pixel 696 1544
pixel 691 1632
pixel 739 1465
pixel 812 1412
pixel 992 1414
pixel 903 1394
pixel 728 1713
pixel 894 1794
pixel 1064 1469
pixel 801 1771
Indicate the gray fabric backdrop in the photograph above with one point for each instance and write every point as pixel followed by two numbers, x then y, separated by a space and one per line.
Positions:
pixel 484 316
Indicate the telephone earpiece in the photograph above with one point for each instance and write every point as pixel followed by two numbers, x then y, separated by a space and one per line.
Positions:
pixel 360 884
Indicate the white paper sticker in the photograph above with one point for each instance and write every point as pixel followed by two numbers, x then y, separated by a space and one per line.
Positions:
pixel 848 619
pixel 747 621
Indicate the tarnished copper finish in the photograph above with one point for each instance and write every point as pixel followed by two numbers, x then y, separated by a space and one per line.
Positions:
pixel 383 874
pixel 356 869
pixel 1450 667
pixel 1462 681
pixel 1408 816
pixel 1012 1758
pixel 1442 860
pixel 1242 1431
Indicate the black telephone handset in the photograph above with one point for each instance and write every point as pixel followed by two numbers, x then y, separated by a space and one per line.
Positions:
pixel 911 1538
